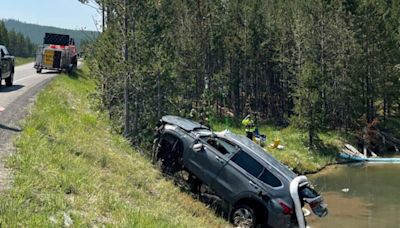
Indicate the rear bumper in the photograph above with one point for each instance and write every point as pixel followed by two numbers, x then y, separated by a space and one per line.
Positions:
pixel 278 219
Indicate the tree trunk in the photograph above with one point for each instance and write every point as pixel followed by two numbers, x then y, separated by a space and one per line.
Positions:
pixel 311 127
pixel 159 111
pixel 126 81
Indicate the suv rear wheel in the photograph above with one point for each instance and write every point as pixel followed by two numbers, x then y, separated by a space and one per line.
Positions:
pixel 244 216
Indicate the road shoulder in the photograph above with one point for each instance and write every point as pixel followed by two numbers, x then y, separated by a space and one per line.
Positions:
pixel 10 126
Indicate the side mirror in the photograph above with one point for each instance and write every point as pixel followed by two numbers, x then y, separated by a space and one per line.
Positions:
pixel 198 147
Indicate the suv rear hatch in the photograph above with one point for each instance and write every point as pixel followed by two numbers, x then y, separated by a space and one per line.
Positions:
pixel 301 193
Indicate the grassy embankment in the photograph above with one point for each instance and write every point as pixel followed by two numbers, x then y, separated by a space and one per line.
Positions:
pixel 21 61
pixel 70 165
pixel 296 154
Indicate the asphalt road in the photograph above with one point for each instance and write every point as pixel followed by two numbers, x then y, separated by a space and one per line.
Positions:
pixel 17 100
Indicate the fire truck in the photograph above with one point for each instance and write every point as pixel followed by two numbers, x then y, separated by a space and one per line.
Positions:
pixel 58 53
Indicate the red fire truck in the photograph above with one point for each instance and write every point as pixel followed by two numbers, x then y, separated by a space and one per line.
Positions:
pixel 58 52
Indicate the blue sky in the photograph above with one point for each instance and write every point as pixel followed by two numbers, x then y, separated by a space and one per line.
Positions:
pixel 69 14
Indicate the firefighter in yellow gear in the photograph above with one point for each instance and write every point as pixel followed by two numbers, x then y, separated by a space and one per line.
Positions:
pixel 249 125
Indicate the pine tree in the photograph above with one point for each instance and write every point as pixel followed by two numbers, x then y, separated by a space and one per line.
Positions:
pixel 321 64
pixel 3 34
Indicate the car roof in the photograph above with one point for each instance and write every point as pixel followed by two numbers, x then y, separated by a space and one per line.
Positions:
pixel 187 125
pixel 258 151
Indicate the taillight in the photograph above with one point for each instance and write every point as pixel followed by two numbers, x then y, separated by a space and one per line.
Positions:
pixel 286 209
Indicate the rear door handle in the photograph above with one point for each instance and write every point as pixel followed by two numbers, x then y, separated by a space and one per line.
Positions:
pixel 220 160
pixel 253 185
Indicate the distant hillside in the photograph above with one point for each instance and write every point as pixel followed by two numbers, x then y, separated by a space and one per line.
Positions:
pixel 36 32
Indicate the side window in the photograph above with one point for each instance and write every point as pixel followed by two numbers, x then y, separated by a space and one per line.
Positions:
pixel 269 178
pixel 2 52
pixel 222 146
pixel 253 167
pixel 248 163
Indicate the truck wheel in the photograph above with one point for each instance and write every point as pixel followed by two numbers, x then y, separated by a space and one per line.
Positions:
pixel 10 79
pixel 244 216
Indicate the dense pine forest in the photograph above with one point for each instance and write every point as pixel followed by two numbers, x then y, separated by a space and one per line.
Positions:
pixel 16 43
pixel 318 64
pixel 36 32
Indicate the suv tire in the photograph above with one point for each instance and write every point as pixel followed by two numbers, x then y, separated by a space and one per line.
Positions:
pixel 244 216
pixel 10 79
pixel 170 155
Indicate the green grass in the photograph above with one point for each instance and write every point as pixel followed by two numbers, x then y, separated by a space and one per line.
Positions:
pixel 69 164
pixel 21 61
pixel 296 154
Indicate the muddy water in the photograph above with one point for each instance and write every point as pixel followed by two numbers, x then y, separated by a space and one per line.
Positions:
pixel 359 196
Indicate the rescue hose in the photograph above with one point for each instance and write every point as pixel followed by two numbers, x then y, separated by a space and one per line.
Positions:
pixel 294 192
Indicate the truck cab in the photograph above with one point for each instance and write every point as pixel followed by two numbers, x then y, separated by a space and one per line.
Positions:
pixel 6 66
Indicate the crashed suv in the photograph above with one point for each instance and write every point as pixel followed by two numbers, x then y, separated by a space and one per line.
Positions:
pixel 254 189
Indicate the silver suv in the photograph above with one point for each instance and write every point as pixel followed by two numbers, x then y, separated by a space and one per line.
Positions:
pixel 253 188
